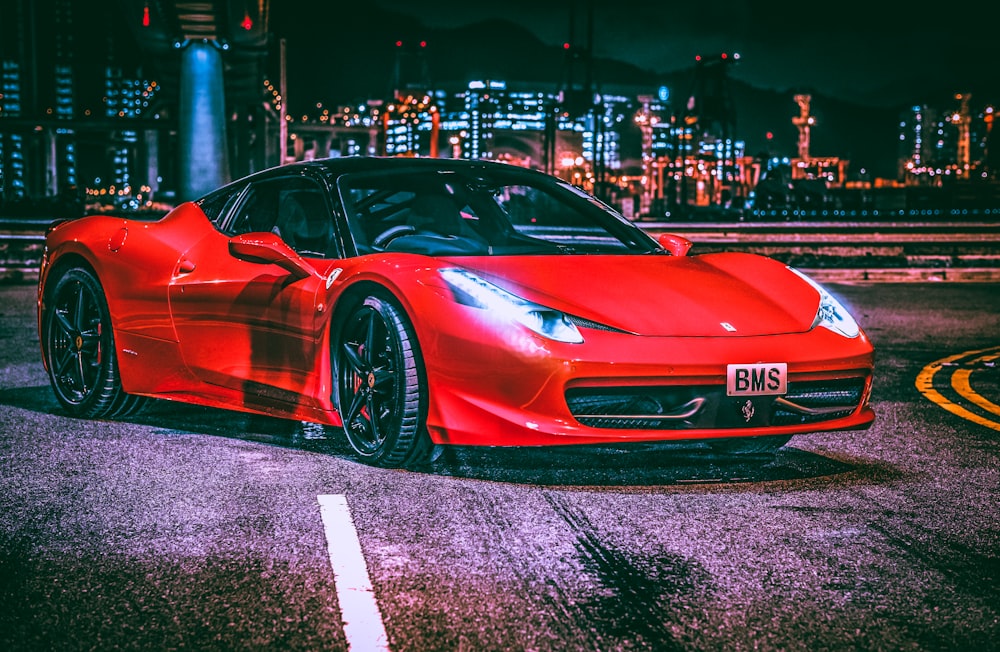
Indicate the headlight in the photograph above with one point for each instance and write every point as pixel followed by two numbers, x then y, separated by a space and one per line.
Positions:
pixel 471 290
pixel 831 314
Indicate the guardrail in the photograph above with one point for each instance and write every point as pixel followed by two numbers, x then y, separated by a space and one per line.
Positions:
pixel 859 251
pixel 833 251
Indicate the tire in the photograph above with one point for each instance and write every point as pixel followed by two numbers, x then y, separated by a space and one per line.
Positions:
pixel 79 348
pixel 381 390
pixel 749 445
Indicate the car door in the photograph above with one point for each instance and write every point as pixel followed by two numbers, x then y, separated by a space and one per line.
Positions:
pixel 251 325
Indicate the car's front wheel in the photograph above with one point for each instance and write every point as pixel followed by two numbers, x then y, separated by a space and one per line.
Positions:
pixel 380 383
pixel 79 348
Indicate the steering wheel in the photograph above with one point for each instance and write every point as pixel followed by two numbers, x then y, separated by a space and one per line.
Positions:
pixel 393 232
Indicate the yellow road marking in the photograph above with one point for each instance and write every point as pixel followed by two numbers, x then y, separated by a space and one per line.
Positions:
pixel 960 382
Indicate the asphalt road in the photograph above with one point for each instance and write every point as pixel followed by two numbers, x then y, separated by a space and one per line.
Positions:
pixel 202 529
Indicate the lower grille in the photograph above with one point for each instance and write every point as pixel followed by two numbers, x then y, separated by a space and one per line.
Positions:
pixel 818 401
pixel 708 406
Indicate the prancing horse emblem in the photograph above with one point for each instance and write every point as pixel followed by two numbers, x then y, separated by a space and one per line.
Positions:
pixel 747 410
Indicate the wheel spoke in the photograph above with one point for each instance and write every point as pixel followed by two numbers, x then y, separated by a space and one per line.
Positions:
pixel 91 341
pixel 353 353
pixel 81 375
pixel 93 332
pixel 375 418
pixel 63 322
pixel 370 339
pixel 357 402
pixel 384 376
pixel 65 360
pixel 80 304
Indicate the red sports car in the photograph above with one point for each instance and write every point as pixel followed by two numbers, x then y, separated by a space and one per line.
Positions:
pixel 425 302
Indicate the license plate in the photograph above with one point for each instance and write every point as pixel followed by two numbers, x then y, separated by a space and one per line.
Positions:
pixel 764 379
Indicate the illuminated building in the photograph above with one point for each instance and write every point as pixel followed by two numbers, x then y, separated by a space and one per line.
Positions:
pixel 69 124
pixel 38 84
pixel 410 126
pixel 12 172
pixel 127 99
pixel 494 122
pixel 939 144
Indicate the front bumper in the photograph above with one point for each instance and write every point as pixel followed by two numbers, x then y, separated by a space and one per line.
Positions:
pixel 615 387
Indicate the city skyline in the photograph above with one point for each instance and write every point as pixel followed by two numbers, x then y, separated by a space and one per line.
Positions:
pixel 351 59
pixel 130 57
pixel 877 54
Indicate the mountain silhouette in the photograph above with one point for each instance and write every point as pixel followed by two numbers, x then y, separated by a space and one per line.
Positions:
pixel 502 50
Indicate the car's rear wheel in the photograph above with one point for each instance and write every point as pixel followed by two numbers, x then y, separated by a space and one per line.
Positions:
pixel 749 445
pixel 381 388
pixel 79 348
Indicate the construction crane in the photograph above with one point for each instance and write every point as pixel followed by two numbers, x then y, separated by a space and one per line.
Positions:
pixel 963 120
pixel 804 122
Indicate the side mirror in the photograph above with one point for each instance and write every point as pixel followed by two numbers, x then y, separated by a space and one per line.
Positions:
pixel 678 245
pixel 267 248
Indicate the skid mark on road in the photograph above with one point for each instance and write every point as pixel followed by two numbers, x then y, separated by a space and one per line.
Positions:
pixel 639 596
pixel 948 382
pixel 363 624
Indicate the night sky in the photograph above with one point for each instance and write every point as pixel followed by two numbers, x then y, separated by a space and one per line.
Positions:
pixel 879 54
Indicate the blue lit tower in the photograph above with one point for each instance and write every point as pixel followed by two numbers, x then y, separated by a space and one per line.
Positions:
pixel 213 55
pixel 202 120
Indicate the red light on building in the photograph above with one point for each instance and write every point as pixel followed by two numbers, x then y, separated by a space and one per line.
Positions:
pixel 399 44
pixel 423 44
pixel 565 46
pixel 697 57
pixel 246 23
pixel 145 16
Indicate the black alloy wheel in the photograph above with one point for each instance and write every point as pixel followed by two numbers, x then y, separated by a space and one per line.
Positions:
pixel 381 390
pixel 79 348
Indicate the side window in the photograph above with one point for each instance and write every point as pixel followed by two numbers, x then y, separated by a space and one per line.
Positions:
pixel 293 208
pixel 217 205
pixel 304 219
pixel 259 210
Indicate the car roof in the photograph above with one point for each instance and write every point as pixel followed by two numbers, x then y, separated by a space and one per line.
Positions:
pixel 332 168
pixel 350 164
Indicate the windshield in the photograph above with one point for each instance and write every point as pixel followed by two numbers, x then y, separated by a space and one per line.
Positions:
pixel 482 213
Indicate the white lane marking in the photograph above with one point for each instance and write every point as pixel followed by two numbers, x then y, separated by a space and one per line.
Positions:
pixel 359 610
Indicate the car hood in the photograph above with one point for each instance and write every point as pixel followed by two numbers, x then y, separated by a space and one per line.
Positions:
pixel 727 294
